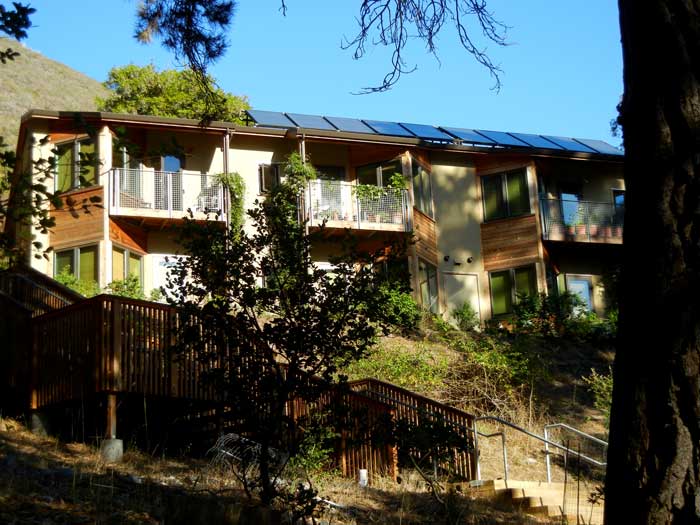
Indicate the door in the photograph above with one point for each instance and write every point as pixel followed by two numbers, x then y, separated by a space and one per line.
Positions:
pixel 460 288
pixel 581 286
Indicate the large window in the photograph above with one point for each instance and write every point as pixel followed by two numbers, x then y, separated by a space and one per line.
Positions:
pixel 427 275
pixel 80 262
pixel 125 263
pixel 379 174
pixel 270 176
pixel 422 190
pixel 76 164
pixel 507 285
pixel 505 195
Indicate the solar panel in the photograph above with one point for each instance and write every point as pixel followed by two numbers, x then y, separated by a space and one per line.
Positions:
pixel 601 146
pixel 469 135
pixel 536 141
pixel 270 118
pixel 310 121
pixel 350 124
pixel 388 128
pixel 424 131
pixel 502 139
pixel 570 144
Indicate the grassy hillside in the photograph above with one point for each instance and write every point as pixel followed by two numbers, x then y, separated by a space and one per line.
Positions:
pixel 34 81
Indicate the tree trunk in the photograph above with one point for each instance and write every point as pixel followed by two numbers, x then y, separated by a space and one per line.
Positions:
pixel 654 455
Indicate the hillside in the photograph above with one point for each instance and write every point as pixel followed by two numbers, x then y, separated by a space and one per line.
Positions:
pixel 34 81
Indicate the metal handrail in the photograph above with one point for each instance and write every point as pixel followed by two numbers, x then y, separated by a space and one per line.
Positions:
pixel 543 439
pixel 577 432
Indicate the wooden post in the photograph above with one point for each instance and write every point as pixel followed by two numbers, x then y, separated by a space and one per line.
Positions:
pixel 111 430
pixel 115 356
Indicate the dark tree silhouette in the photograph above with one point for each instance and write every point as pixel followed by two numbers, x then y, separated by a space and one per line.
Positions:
pixel 654 454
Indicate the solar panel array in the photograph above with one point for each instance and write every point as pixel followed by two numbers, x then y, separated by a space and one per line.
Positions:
pixel 437 134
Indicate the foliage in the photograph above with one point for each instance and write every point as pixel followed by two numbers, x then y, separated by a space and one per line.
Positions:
pixel 548 315
pixel 129 287
pixel 466 317
pixel 14 22
pixel 235 185
pixel 400 309
pixel 422 371
pixel 274 338
pixel 601 385
pixel 169 93
pixel 88 288
pixel 315 448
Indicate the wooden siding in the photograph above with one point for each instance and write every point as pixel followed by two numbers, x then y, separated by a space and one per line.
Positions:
pixel 79 225
pixel 426 237
pixel 128 235
pixel 507 243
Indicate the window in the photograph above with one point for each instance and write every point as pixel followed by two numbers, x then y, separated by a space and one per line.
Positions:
pixel 422 189
pixel 124 263
pixel 619 199
pixel 81 262
pixel 427 275
pixel 378 174
pixel 334 173
pixel 270 176
pixel 581 285
pixel 76 164
pixel 507 285
pixel 505 195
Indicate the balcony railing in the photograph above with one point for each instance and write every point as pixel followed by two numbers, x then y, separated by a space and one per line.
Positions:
pixel 581 221
pixel 164 194
pixel 340 204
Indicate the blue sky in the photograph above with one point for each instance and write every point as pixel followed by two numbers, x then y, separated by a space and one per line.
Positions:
pixel 562 73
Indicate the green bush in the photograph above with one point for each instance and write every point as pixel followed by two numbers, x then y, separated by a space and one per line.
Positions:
pixel 129 287
pixel 547 315
pixel 466 317
pixel 86 288
pixel 401 310
pixel 601 386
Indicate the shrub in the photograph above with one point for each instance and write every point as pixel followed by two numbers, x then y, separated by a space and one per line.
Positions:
pixel 547 315
pixel 86 288
pixel 401 309
pixel 466 317
pixel 129 287
pixel 601 386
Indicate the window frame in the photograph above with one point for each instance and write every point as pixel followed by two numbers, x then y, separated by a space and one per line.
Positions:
pixel 76 260
pixel 427 281
pixel 503 176
pixel 127 252
pixel 418 165
pixel 277 176
pixel 585 278
pixel 76 168
pixel 513 291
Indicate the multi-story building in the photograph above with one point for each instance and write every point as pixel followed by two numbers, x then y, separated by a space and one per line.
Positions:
pixel 493 214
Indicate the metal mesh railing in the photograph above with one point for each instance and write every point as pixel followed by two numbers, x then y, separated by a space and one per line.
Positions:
pixel 342 203
pixel 586 221
pixel 164 191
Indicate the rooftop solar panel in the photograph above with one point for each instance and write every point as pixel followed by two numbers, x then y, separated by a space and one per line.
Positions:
pixel 424 131
pixel 388 128
pixel 601 146
pixel 270 118
pixel 502 139
pixel 310 121
pixel 469 135
pixel 350 124
pixel 536 141
pixel 570 144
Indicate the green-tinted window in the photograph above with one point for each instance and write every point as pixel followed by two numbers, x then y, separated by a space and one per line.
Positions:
pixel 507 285
pixel 501 292
pixel 88 264
pixel 87 163
pixel 135 265
pixel 64 167
pixel 427 274
pixel 422 190
pixel 525 281
pixel 367 174
pixel 64 259
pixel 505 195
pixel 117 264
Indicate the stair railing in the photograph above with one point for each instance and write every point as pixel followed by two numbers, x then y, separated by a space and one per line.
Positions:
pixel 544 439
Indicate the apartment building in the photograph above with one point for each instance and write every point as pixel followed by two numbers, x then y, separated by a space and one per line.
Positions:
pixel 492 214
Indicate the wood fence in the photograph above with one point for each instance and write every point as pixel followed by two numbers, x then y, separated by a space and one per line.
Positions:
pixel 416 410
pixel 35 291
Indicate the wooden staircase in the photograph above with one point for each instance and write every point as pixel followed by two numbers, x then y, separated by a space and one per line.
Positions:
pixel 540 499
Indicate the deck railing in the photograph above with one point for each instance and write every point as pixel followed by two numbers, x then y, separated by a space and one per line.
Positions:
pixel 35 291
pixel 341 204
pixel 150 193
pixel 581 221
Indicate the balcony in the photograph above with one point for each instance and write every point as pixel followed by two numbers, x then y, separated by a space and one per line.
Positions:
pixel 164 194
pixel 581 221
pixel 339 204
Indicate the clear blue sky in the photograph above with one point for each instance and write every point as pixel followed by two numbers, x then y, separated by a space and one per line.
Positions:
pixel 562 72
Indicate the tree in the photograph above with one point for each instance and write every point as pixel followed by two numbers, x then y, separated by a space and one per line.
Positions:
pixel 263 344
pixel 169 93
pixel 654 454
pixel 195 30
